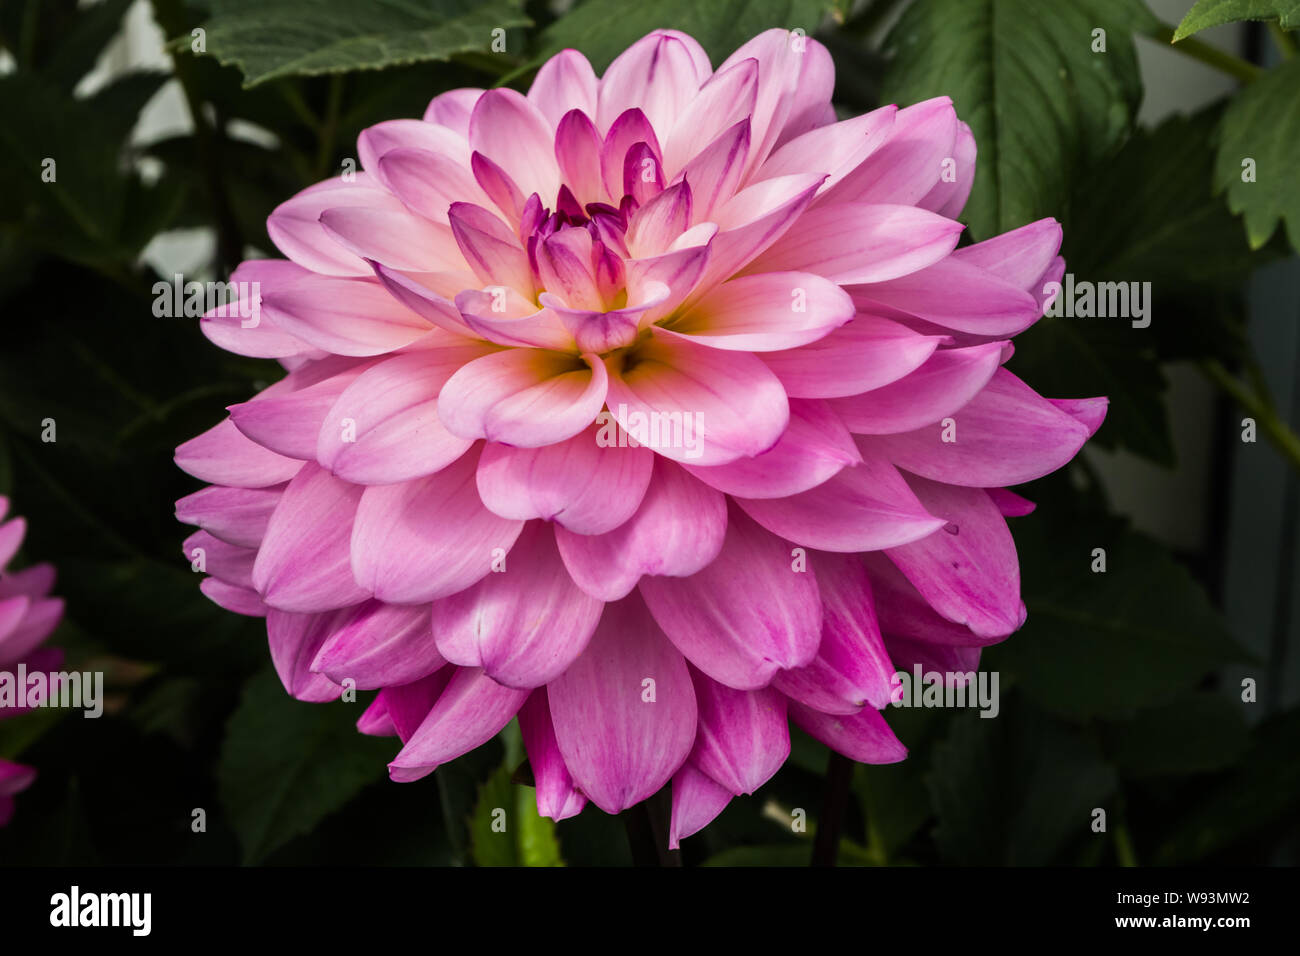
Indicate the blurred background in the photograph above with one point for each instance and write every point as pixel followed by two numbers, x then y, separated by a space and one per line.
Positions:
pixel 1125 689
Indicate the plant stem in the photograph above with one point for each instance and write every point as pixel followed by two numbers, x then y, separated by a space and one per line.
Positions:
pixel 647 831
pixel 1259 408
pixel 329 126
pixel 1124 846
pixel 171 17
pixel 1284 42
pixel 1210 55
pixel 839 774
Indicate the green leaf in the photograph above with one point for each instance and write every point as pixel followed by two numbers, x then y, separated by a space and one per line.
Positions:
pixel 297 37
pixel 1263 790
pixel 602 29
pixel 90 211
pixel 1262 124
pixel 1197 733
pixel 1213 13
pixel 80 46
pixel 1015 790
pixel 1042 105
pixel 1106 644
pixel 286 765
pixel 506 829
pixel 774 854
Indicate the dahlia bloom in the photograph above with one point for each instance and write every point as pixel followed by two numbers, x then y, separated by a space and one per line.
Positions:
pixel 657 409
pixel 28 615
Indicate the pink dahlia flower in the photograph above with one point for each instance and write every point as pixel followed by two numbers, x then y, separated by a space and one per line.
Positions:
pixel 657 409
pixel 28 615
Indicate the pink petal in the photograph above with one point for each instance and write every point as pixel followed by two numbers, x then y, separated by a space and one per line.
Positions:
pixel 815 446
pixel 344 316
pixel 526 397
pixel 491 248
pixel 583 486
pixel 393 236
pixel 695 404
pixel 678 530
pixel 557 797
pixel 902 611
pixel 948 196
pixel 379 645
pixel 836 149
pixel 578 149
pixel 624 712
pixel 240 327
pixel 864 736
pixel 295 640
pixel 867 353
pixel 956 295
pixel 714 173
pixel 565 82
pixel 224 561
pixel 233 598
pixel 909 164
pixel 303 563
pixel 512 132
pixel 856 242
pixel 287 422
pixel 453 109
pixel 1020 256
pixel 294 225
pixel 852 667
pixel 766 313
pixel 471 710
pixel 1006 435
pixel 384 427
pixel 724 100
pixel 747 615
pixel 754 219
pixel 742 738
pixel 523 624
pixel 948 380
pixel 697 801
pixel 376 142
pixel 223 455
pixel 968 572
pixel 863 508
pixel 659 74
pixel 428 183
pixel 235 515
pixel 424 539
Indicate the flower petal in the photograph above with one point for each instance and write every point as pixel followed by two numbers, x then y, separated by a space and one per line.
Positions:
pixel 677 530
pixel 303 562
pixel 525 622
pixel 746 615
pixel 525 397
pixel 695 404
pixel 424 539
pixel 624 712
pixel 471 709
pixel 588 485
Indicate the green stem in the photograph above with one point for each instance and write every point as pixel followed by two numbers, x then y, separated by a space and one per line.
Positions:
pixel 1210 55
pixel 1258 407
pixel 1284 42
pixel 329 126
pixel 1124 846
